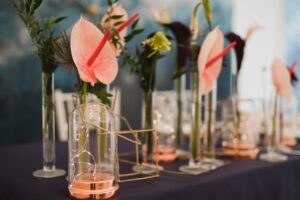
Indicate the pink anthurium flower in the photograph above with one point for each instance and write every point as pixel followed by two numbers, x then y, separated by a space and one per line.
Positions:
pixel 118 10
pixel 281 79
pixel 210 59
pixel 93 56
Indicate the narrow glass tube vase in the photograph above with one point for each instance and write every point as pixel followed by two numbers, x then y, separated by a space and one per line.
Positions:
pixel 93 165
pixel 147 138
pixel 194 165
pixel 272 154
pixel 210 131
pixel 48 129
pixel 180 87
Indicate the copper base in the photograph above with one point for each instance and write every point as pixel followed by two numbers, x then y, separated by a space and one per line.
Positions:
pixel 93 186
pixel 289 141
pixel 164 154
pixel 247 151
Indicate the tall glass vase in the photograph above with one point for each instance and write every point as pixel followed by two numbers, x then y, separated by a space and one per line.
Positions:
pixel 147 139
pixel 180 87
pixel 194 165
pixel 48 129
pixel 147 121
pixel 210 131
pixel 273 141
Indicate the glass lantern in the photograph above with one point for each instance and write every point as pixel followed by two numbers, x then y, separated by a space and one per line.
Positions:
pixel 241 133
pixel 164 124
pixel 93 166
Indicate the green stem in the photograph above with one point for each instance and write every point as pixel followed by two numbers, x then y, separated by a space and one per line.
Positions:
pixel 196 118
pixel 179 139
pixel 210 112
pixel 83 138
pixel 47 101
pixel 103 134
pixel 148 139
pixel 274 122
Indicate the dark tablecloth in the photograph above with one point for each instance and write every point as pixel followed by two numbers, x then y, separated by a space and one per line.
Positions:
pixel 239 180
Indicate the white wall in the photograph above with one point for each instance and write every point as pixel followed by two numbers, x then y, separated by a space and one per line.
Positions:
pixel 263 46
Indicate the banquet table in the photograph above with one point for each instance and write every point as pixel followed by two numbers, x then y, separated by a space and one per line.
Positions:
pixel 238 180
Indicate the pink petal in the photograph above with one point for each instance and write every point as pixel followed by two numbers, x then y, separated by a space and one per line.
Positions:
pixel 212 45
pixel 281 79
pixel 116 9
pixel 85 38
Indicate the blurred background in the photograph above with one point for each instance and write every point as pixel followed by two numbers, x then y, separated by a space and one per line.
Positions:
pixel 20 68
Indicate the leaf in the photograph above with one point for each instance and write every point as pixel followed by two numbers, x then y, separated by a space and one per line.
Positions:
pixel 180 72
pixel 133 34
pixel 46 23
pixel 57 20
pixel 27 6
pixel 113 17
pixel 118 23
pixel 135 23
pixel 36 4
pixel 34 31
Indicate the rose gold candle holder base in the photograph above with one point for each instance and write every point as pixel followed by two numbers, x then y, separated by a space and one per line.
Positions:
pixel 246 151
pixel 164 154
pixel 93 186
pixel 288 141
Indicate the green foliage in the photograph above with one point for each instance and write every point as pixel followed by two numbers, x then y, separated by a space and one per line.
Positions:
pixel 143 64
pixel 40 31
pixel 99 89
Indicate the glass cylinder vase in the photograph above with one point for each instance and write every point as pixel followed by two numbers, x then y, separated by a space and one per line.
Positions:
pixel 180 88
pixel 164 123
pixel 194 165
pixel 272 154
pixel 48 129
pixel 93 168
pixel 147 121
pixel 147 138
pixel 210 130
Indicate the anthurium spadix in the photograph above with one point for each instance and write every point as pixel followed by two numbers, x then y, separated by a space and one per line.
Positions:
pixel 93 56
pixel 210 59
pixel 281 79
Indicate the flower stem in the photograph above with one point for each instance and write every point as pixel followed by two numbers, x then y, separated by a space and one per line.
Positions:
pixel 274 122
pixel 179 138
pixel 196 118
pixel 210 113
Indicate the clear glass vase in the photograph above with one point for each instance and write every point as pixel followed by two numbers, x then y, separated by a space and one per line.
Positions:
pixel 180 89
pixel 241 128
pixel 164 123
pixel 147 139
pixel 272 154
pixel 93 165
pixel 288 123
pixel 48 129
pixel 194 166
pixel 210 131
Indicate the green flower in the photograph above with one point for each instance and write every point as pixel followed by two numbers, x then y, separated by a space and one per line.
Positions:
pixel 158 42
